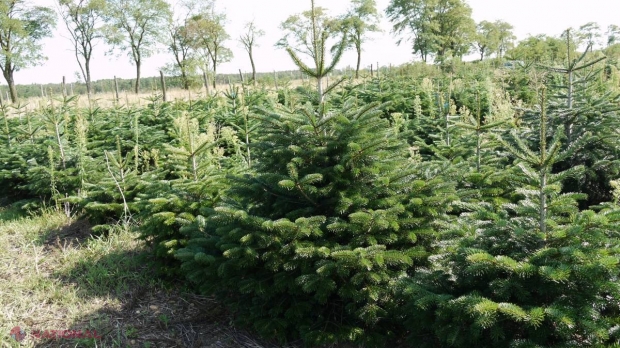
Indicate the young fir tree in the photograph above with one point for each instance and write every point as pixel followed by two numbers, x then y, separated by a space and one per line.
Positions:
pixel 190 183
pixel 311 245
pixel 582 103
pixel 534 274
pixel 488 176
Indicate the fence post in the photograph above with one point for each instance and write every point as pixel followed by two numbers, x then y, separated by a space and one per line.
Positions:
pixel 163 84
pixel 116 89
pixel 64 87
pixel 242 79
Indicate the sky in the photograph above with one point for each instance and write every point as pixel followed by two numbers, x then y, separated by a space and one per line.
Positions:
pixel 529 17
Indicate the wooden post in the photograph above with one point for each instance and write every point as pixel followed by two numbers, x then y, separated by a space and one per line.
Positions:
pixel 378 70
pixel 64 87
pixel 163 85
pixel 116 89
pixel 371 71
pixel 275 79
pixel 242 79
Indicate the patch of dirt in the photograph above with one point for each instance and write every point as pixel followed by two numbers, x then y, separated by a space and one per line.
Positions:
pixel 77 232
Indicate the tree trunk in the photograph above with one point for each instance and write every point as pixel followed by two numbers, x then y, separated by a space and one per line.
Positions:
pixel 481 55
pixel 359 61
pixel 185 79
pixel 569 103
pixel 214 75
pixel 163 85
pixel 320 89
pixel 137 87
pixel 542 223
pixel 8 76
pixel 88 80
pixel 253 66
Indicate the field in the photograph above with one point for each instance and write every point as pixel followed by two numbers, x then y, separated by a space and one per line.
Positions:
pixel 436 206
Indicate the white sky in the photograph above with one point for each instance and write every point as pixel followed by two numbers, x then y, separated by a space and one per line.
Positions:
pixel 527 16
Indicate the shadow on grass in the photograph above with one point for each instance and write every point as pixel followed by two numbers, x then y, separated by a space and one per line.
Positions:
pixel 78 232
pixel 128 306
pixel 12 213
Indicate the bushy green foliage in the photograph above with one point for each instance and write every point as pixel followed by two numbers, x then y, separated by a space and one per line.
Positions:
pixel 310 246
pixel 449 207
pixel 538 273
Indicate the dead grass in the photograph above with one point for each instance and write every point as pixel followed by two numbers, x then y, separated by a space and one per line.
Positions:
pixel 108 100
pixel 56 276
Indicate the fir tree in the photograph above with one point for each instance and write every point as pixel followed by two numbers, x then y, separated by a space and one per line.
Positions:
pixel 312 244
pixel 172 209
pixel 539 273
pixel 582 103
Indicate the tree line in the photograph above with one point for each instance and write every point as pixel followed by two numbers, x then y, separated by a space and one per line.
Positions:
pixel 195 34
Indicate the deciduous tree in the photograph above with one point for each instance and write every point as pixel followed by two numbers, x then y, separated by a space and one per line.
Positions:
pixel 136 27
pixel 21 29
pixel 589 34
pixel 541 49
pixel 362 18
pixel 180 43
pixel 493 37
pixel 506 37
pixel 248 40
pixel 83 21
pixel 487 39
pixel 613 35
pixel 208 35
pixel 439 27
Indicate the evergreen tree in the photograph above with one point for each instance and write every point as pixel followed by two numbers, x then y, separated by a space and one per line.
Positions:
pixel 174 198
pixel 539 273
pixel 311 245
pixel 583 104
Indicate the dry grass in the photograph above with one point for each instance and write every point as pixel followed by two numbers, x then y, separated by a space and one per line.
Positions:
pixel 108 100
pixel 56 276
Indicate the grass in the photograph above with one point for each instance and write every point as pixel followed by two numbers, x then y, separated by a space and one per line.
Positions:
pixel 128 98
pixel 56 276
